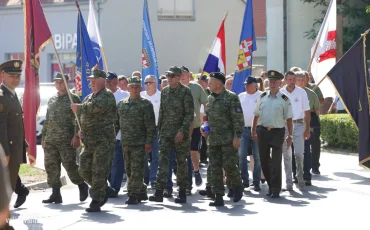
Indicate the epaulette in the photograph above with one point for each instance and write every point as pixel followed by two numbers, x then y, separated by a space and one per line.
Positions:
pixel 264 94
pixel 284 97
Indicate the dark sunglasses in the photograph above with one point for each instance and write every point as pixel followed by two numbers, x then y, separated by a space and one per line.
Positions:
pixel 170 75
pixel 148 83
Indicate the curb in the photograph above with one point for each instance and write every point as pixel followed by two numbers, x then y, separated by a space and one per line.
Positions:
pixel 44 184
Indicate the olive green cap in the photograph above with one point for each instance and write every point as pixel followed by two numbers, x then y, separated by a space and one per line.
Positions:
pixel 98 74
pixel 59 76
pixel 134 81
pixel 274 75
pixel 175 70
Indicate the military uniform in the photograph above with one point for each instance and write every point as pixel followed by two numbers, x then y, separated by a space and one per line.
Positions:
pixel 58 130
pixel 137 124
pixel 98 119
pixel 272 111
pixel 176 114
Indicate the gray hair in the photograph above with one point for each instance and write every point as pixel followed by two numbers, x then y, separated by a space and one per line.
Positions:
pixel 301 74
pixel 153 77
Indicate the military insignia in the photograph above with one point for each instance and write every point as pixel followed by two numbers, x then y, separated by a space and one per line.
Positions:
pixel 272 73
pixel 238 109
pixel 245 57
pixel 16 64
pixel 284 97
pixel 1 107
pixel 145 59
pixel 264 94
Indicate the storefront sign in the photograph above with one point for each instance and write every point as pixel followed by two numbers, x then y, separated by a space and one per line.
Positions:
pixel 65 41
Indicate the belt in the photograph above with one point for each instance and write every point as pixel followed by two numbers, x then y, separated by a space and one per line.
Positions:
pixel 269 129
pixel 298 121
pixel 313 114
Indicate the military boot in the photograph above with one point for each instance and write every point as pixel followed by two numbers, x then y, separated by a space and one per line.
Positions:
pixel 157 197
pixel 207 192
pixel 94 206
pixel 238 194
pixel 142 196
pixel 231 193
pixel 181 198
pixel 84 191
pixel 219 201
pixel 55 197
pixel 132 200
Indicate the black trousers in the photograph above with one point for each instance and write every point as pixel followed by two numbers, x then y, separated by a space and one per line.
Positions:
pixel 20 189
pixel 271 161
pixel 316 147
pixel 203 149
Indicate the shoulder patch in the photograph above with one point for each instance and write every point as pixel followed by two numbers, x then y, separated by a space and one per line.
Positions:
pixel 264 94
pixel 284 97
pixel 238 109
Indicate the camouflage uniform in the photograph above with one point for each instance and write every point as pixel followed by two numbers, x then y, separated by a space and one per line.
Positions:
pixel 176 113
pixel 137 124
pixel 98 119
pixel 226 121
pixel 58 130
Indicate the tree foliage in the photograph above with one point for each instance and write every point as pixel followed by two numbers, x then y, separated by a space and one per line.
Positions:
pixel 354 15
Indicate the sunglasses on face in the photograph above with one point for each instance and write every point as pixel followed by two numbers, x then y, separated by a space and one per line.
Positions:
pixel 170 75
pixel 148 83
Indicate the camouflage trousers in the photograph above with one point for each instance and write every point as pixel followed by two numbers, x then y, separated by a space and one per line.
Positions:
pixel 224 157
pixel 95 163
pixel 60 153
pixel 166 146
pixel 134 158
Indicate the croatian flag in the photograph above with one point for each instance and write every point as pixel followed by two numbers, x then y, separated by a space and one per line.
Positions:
pixel 216 61
pixel 93 30
pixel 246 47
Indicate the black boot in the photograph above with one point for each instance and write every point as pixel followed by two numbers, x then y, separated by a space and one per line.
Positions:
pixel 231 193
pixel 55 197
pixel 219 201
pixel 208 192
pixel 157 197
pixel 132 200
pixel 108 191
pixel 94 206
pixel 142 196
pixel 84 191
pixel 181 198
pixel 21 198
pixel 238 194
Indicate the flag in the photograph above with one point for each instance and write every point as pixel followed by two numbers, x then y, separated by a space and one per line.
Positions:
pixel 86 60
pixel 37 35
pixel 216 60
pixel 247 45
pixel 93 30
pixel 148 56
pixel 350 80
pixel 325 56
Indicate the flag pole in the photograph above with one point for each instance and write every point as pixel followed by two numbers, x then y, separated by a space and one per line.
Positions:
pixel 104 59
pixel 313 56
pixel 65 81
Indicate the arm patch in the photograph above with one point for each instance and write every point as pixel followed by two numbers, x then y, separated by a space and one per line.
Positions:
pixel 238 109
pixel 264 94
pixel 284 97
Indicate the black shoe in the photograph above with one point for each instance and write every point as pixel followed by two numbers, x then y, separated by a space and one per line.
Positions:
pixel 263 181
pixel 198 179
pixel 132 200
pixel 21 198
pixel 113 194
pixel 94 206
pixel 142 196
pixel 146 181
pixel 316 171
pixel 218 202
pixel 295 180
pixel 167 193
pixel 307 183
pixel 55 197
pixel 275 195
pixel 157 197
pixel 84 191
pixel 108 192
pixel 257 187
pixel 246 185
pixel 207 192
pixel 231 193
pixel 238 194
pixel 181 198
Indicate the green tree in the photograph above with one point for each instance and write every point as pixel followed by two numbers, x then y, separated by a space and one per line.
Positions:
pixel 355 17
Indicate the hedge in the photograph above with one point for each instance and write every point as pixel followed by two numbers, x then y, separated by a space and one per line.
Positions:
pixel 339 131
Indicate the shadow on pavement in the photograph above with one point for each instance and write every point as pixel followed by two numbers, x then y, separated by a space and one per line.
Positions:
pixel 143 207
pixel 102 217
pixel 321 178
pixel 235 210
pixel 65 207
pixel 186 208
pixel 285 201
pixel 353 176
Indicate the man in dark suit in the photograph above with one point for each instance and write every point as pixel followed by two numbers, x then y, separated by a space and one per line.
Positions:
pixel 11 126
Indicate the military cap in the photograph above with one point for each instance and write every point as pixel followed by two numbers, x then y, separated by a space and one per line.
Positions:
pixel 174 70
pixel 134 81
pixel 59 76
pixel 185 69
pixel 111 75
pixel 218 75
pixel 274 75
pixel 12 67
pixel 250 80
pixel 98 74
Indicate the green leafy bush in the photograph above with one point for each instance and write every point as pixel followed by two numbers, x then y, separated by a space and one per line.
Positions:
pixel 339 131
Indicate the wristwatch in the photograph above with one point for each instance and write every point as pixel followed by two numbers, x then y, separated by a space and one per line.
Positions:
pixel 291 136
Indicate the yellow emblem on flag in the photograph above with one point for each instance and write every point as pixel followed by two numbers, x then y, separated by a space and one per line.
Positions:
pixel 242 59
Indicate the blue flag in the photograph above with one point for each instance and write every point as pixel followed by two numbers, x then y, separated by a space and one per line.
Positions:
pixel 149 57
pixel 86 60
pixel 93 30
pixel 246 47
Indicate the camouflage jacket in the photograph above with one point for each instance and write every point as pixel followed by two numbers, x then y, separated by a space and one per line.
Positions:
pixel 176 112
pixel 225 118
pixel 60 123
pixel 136 121
pixel 98 116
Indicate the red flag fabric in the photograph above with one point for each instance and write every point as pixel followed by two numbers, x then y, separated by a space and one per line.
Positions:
pixel 37 35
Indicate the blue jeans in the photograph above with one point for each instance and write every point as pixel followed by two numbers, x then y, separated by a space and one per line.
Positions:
pixel 190 171
pixel 245 142
pixel 118 167
pixel 151 175
pixel 307 159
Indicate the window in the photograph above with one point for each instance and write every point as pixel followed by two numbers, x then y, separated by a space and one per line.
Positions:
pixel 176 10
pixel 68 62
pixel 16 56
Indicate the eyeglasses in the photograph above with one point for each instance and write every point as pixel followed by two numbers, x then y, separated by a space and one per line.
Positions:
pixel 170 75
pixel 149 83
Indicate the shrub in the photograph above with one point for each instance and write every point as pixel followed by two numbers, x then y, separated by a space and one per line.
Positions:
pixel 339 131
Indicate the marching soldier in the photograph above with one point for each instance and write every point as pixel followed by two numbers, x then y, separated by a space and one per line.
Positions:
pixel 98 119
pixel 273 108
pixel 59 139
pixel 137 124
pixel 226 121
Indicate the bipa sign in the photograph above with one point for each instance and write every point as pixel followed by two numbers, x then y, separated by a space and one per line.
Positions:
pixel 65 41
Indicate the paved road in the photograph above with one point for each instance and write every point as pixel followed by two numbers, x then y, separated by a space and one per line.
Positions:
pixel 338 199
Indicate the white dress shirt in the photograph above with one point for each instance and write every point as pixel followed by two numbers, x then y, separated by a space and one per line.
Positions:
pixel 299 101
pixel 248 103
pixel 155 99
pixel 119 95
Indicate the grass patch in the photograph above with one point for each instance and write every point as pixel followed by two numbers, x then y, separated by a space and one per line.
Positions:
pixel 31 174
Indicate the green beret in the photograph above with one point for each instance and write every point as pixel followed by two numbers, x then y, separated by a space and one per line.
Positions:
pixel 134 81
pixel 174 70
pixel 98 74
pixel 12 67
pixel 274 75
pixel 59 76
